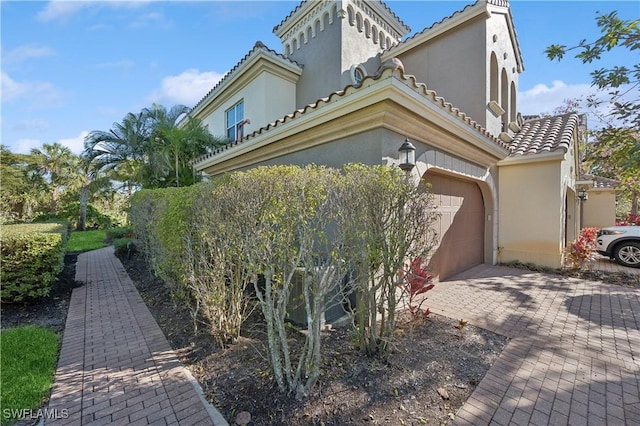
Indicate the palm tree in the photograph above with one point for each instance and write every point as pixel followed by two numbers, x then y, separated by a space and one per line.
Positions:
pixel 176 140
pixel 152 148
pixel 121 150
pixel 55 162
pixel 88 180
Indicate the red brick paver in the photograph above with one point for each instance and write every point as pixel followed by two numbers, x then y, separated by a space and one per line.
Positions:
pixel 115 366
pixel 574 352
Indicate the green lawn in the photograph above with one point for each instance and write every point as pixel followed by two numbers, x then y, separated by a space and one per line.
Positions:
pixel 81 241
pixel 27 363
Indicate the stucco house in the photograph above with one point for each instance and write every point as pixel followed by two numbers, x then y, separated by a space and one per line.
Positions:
pixel 347 87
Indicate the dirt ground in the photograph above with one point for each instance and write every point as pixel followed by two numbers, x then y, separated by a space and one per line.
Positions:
pixel 432 371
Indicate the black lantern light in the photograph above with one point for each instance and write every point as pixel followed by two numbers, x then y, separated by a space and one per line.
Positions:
pixel 407 156
pixel 583 195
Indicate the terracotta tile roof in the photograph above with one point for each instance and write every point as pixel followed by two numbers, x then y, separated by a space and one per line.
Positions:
pixel 600 182
pixel 545 134
pixel 257 47
pixel 398 72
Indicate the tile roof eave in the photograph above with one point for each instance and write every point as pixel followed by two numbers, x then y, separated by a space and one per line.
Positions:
pixel 257 49
pixel 601 183
pixel 544 135
pixel 409 80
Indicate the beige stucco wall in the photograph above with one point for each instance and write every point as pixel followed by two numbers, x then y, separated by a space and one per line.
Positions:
pixel 267 97
pixel 445 63
pixel 363 148
pixel 531 209
pixel 321 61
pixel 499 42
pixel 600 209
pixel 457 65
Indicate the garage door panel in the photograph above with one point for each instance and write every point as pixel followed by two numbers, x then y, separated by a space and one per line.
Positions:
pixel 460 227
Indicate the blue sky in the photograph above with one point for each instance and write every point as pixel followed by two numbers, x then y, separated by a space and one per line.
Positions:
pixel 69 67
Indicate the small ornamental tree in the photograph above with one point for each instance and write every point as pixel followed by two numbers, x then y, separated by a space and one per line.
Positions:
pixel 279 213
pixel 215 274
pixel 388 222
pixel 313 233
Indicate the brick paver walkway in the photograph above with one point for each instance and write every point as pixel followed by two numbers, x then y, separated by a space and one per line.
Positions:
pixel 574 352
pixel 115 366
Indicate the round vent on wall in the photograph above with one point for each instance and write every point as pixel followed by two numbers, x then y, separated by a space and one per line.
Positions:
pixel 358 73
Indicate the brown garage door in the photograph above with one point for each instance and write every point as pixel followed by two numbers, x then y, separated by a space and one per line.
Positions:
pixel 460 228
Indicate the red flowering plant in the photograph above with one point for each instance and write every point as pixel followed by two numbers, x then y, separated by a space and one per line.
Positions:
pixel 629 220
pixel 416 280
pixel 582 252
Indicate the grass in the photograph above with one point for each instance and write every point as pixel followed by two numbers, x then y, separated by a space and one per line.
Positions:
pixel 27 364
pixel 81 241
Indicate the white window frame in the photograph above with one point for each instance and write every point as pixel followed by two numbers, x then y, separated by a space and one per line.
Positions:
pixel 236 123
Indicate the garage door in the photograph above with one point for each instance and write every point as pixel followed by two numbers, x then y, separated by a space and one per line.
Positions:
pixel 460 228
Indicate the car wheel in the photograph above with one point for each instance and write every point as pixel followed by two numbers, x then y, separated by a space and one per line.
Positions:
pixel 628 254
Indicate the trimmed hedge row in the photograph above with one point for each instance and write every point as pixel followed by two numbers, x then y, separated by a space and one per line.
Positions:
pixel 32 258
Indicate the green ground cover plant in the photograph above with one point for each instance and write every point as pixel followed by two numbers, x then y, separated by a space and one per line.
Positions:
pixel 81 241
pixel 26 349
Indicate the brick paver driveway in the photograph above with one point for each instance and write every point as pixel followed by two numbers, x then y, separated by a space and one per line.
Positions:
pixel 574 352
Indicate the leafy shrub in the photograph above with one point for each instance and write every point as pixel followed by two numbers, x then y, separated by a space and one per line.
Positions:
pixel 209 242
pixel 415 281
pixel 32 258
pixel 71 213
pixel 159 221
pixel 117 233
pixel 124 247
pixel 582 251
pixel 629 220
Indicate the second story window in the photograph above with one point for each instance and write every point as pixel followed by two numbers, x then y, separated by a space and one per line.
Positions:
pixel 235 121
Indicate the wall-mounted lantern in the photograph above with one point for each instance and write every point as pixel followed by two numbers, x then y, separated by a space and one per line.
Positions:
pixel 582 194
pixel 407 156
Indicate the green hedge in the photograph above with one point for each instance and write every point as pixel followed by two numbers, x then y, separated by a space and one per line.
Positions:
pixel 32 258
pixel 71 213
pixel 161 218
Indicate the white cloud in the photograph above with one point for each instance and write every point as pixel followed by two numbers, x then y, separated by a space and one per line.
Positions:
pixel 24 146
pixel 60 10
pixel 38 93
pixel 23 53
pixel 544 99
pixel 76 145
pixel 31 125
pixel 186 88
pixel 155 19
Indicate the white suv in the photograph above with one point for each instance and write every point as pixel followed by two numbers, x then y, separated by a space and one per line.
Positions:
pixel 621 243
